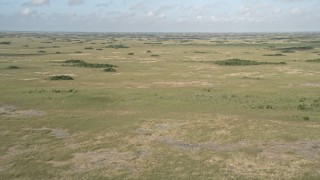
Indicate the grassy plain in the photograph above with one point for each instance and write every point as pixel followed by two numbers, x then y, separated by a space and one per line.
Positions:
pixel 165 110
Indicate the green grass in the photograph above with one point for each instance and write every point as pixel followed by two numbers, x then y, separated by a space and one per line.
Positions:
pixel 178 115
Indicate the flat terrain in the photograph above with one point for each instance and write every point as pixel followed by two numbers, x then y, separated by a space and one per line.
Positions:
pixel 159 106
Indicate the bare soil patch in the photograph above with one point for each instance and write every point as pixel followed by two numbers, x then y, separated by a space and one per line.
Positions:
pixel 12 111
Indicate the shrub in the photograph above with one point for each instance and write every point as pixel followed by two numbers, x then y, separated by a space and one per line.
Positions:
pixel 60 77
pixel 306 118
pixel 78 52
pixel 74 61
pixel 131 54
pixel 13 67
pixel 81 63
pixel 274 55
pixel 99 49
pixel 118 46
pixel 88 48
pixel 110 69
pixel 240 62
pixel 41 51
pixel 302 107
pixel 154 55
pixel 5 42
pixel 292 49
pixel 314 60
pixel 148 51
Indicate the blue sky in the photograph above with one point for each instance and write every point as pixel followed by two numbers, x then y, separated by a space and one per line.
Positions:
pixel 160 15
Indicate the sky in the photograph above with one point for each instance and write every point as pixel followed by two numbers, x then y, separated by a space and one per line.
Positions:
pixel 160 15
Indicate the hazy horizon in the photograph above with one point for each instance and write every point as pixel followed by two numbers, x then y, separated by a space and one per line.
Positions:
pixel 188 16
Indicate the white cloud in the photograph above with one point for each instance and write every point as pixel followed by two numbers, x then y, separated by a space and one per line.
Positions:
pixel 295 11
pixel 75 2
pixel 199 17
pixel 36 3
pixel 27 12
pixel 150 14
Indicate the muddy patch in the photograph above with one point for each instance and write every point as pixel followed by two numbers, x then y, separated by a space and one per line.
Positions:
pixel 12 111
pixel 104 158
pixel 311 84
pixel 59 133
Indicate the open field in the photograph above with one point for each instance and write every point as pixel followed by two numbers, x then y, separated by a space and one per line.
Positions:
pixel 155 106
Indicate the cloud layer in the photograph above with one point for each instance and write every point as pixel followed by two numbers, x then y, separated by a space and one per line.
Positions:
pixel 164 15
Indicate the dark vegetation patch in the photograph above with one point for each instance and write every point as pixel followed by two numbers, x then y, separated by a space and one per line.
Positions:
pixel 60 77
pixel 200 52
pixel 99 49
pixel 81 63
pixel 154 55
pixel 41 51
pixel 39 91
pixel 117 46
pixel 293 49
pixel 153 43
pixel 314 60
pixel 240 62
pixel 13 67
pixel 8 54
pixel 309 104
pixel 88 48
pixel 148 51
pixel 5 42
pixel 110 69
pixel 274 55
pixel 78 52
pixel 131 54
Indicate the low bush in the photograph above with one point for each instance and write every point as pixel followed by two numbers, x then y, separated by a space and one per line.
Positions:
pixel 5 43
pixel 117 46
pixel 293 49
pixel 131 54
pixel 110 69
pixel 314 60
pixel 13 67
pixel 81 63
pixel 60 77
pixel 240 62
pixel 274 55
pixel 306 118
